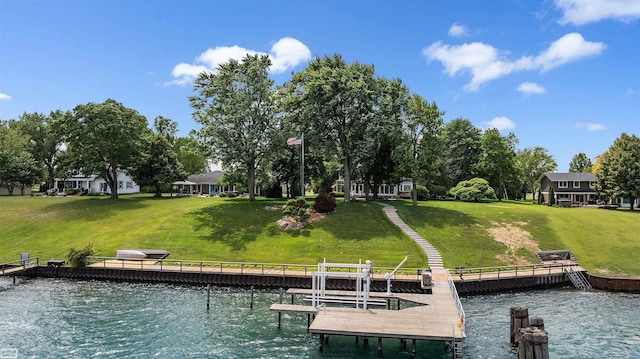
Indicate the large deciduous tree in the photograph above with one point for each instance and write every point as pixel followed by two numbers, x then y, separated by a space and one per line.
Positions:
pixel 236 109
pixel 497 162
pixel 618 170
pixel 461 149
pixel 580 163
pixel 18 168
pixel 190 154
pixel 533 162
pixel 104 138
pixel 380 159
pixel 336 103
pixel 158 165
pixel 421 147
pixel 45 139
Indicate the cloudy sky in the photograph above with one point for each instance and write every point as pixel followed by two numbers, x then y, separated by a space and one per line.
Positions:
pixel 561 74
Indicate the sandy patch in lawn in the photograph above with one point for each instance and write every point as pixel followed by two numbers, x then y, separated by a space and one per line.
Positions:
pixel 514 237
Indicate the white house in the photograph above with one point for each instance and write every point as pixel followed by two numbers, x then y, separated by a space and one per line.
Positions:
pixel 401 190
pixel 96 183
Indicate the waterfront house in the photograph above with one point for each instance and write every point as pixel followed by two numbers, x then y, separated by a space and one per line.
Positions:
pixel 208 183
pixel 571 189
pixel 95 183
pixel 400 190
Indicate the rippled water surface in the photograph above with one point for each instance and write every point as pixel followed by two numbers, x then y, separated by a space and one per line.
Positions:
pixel 46 318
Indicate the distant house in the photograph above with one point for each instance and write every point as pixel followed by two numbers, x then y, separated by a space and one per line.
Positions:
pixel 207 183
pixel 570 189
pixel 96 183
pixel 401 190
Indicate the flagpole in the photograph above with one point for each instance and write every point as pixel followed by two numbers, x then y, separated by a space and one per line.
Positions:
pixel 302 165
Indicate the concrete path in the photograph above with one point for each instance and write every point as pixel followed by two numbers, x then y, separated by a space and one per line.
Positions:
pixel 433 256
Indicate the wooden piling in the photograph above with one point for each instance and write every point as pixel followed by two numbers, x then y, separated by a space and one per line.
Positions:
pixel 533 343
pixel 251 305
pixel 379 345
pixel 519 319
pixel 208 295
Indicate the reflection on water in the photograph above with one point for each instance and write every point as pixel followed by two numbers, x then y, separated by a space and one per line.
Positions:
pixel 74 319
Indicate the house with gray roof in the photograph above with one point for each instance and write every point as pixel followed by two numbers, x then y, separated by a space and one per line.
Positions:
pixel 207 183
pixel 570 189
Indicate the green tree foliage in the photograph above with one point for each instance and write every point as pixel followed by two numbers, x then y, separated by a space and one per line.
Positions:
pixel 45 139
pixel 334 101
pixel 190 154
pixel 421 148
pixel 474 189
pixel 18 168
pixel 461 149
pixel 533 162
pixel 422 193
pixel 618 170
pixel 379 160
pixel 580 163
pixel 104 138
pixel 552 197
pixel 236 109
pixel 497 162
pixel 158 165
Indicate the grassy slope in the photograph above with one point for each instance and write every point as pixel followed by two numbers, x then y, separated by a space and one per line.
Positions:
pixel 197 228
pixel 602 241
pixel 238 230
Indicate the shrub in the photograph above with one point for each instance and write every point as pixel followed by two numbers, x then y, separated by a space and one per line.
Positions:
pixel 474 189
pixel 423 193
pixel 78 257
pixel 297 209
pixel 274 190
pixel 94 194
pixel 437 191
pixel 324 203
pixel 552 197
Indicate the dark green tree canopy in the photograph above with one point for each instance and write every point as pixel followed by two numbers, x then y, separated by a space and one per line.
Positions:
pixel 618 171
pixel 533 162
pixel 497 162
pixel 158 165
pixel 104 138
pixel 236 109
pixel 474 189
pixel 461 149
pixel 580 163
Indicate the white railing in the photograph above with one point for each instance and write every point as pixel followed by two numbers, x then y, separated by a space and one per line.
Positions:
pixel 456 299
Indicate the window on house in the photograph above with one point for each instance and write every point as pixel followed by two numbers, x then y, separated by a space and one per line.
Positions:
pixel 119 184
pixel 129 185
pixel 563 184
pixel 563 196
pixel 576 184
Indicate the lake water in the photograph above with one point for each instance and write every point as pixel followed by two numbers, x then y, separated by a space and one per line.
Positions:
pixel 45 318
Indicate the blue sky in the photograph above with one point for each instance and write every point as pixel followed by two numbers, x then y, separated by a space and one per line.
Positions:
pixel 561 74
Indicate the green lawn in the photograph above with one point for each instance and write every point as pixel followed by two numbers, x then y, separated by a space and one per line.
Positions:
pixel 224 229
pixel 234 229
pixel 603 241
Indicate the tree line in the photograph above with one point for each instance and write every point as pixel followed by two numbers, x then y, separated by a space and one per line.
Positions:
pixel 357 126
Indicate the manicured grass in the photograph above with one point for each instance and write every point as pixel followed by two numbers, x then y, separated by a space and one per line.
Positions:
pixel 221 229
pixel 603 241
pixel 234 229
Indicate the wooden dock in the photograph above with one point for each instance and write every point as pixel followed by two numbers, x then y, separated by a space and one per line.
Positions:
pixel 433 317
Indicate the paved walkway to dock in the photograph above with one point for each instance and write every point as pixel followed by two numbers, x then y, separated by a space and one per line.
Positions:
pixel 433 256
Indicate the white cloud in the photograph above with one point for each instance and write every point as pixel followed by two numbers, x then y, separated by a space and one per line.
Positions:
pixel 580 12
pixel 5 97
pixel 457 30
pixel 591 127
pixel 530 88
pixel 569 48
pixel 501 123
pixel 285 54
pixel 485 63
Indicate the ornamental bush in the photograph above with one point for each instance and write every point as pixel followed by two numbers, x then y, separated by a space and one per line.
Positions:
pixel 78 257
pixel 474 189
pixel 297 209
pixel 324 203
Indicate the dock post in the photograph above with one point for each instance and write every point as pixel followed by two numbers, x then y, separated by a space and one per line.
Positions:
pixel 321 342
pixel 413 347
pixel 14 279
pixel 519 319
pixel 379 345
pixel 208 295
pixel 366 341
pixel 279 319
pixel 281 291
pixel 251 305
